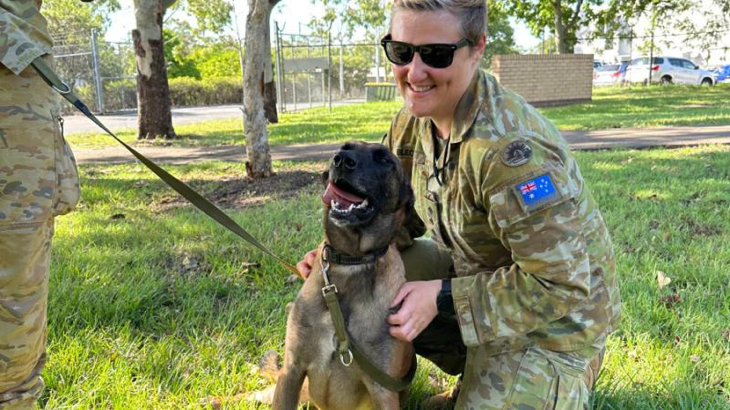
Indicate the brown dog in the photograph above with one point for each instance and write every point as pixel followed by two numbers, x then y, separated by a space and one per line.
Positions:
pixel 367 201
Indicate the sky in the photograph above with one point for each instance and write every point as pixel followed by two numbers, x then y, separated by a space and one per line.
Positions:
pixel 292 15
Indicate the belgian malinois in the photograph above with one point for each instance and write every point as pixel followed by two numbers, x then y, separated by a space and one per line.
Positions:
pixel 367 200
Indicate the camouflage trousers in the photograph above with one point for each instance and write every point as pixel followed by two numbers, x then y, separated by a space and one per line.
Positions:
pixel 531 379
pixel 38 181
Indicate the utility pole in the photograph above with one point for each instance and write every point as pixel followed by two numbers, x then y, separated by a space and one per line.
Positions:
pixel 377 58
pixel 97 73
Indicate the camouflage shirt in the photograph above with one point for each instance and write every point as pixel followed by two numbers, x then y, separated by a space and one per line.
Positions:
pixel 23 34
pixel 533 257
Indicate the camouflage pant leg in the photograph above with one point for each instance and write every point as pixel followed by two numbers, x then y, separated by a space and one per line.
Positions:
pixel 532 379
pixel 38 180
pixel 440 342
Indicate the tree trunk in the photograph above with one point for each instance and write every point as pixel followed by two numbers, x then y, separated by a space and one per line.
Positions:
pixel 561 43
pixel 269 84
pixel 257 143
pixel 153 91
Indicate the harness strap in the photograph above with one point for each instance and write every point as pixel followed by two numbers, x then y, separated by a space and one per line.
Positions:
pixel 348 349
pixel 188 193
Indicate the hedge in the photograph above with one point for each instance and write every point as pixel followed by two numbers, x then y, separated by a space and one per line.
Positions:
pixel 184 91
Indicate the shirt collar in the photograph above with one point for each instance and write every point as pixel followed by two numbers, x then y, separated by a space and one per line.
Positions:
pixel 468 108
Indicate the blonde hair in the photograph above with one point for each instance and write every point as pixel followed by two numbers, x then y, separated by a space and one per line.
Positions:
pixel 471 13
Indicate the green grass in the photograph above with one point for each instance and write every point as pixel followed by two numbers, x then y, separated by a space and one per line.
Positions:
pixel 161 309
pixel 316 125
pixel 645 107
pixel 612 107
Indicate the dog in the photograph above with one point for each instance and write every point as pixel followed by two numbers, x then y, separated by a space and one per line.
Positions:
pixel 367 201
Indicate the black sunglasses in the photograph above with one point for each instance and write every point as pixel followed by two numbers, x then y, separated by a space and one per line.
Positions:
pixel 433 55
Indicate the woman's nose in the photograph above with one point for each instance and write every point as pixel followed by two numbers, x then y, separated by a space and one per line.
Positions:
pixel 416 69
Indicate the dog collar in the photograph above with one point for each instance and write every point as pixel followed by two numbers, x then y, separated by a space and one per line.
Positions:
pixel 331 255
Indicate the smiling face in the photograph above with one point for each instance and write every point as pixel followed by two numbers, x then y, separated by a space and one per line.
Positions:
pixel 433 92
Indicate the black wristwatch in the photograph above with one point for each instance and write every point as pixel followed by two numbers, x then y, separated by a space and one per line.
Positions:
pixel 445 301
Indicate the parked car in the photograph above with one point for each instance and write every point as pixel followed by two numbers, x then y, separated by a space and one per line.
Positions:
pixel 609 74
pixel 668 70
pixel 722 74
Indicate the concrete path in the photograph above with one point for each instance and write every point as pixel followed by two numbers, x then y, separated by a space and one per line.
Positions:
pixel 74 124
pixel 579 140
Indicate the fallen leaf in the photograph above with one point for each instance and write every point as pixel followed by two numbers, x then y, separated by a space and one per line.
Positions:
pixel 662 280
pixel 117 216
pixel 726 334
pixel 634 355
pixel 694 358
pixel 298 226
pixel 670 300
pixel 677 339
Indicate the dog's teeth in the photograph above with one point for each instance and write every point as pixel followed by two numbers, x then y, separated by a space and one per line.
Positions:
pixel 350 208
pixel 332 203
pixel 364 204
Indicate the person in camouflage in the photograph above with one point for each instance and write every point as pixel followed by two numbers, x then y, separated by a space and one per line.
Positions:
pixel 38 181
pixel 516 289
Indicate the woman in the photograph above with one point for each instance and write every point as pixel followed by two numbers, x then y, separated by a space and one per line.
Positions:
pixel 516 290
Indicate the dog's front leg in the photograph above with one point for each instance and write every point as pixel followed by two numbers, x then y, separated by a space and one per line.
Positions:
pixel 382 398
pixel 288 386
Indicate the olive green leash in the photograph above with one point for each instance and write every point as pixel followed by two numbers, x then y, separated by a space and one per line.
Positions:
pixel 347 349
pixel 188 193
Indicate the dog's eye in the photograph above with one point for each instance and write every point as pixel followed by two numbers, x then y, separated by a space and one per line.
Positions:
pixel 381 156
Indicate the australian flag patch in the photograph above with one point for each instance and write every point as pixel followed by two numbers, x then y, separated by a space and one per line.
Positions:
pixel 537 191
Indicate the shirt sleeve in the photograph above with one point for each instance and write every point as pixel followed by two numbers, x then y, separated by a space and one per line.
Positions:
pixel 22 40
pixel 550 273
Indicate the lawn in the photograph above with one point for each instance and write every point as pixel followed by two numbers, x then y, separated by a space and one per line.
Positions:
pixel 152 306
pixel 612 107
pixel 642 107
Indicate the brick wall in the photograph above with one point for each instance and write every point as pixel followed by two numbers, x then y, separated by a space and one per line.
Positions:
pixel 545 80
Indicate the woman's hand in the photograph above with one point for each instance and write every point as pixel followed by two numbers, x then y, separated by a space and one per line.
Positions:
pixel 305 265
pixel 417 310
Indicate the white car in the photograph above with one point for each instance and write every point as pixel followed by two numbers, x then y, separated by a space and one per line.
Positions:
pixel 668 70
pixel 608 74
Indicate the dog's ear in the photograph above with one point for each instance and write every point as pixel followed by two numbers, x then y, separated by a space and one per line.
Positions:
pixel 413 223
pixel 325 177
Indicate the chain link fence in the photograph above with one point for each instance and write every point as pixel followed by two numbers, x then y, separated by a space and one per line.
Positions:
pixel 311 71
pixel 102 73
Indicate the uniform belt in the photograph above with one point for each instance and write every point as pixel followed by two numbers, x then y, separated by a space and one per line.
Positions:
pixel 50 77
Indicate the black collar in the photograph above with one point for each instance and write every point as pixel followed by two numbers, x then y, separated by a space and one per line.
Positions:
pixel 331 255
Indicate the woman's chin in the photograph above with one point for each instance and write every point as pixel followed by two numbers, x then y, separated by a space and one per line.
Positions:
pixel 418 109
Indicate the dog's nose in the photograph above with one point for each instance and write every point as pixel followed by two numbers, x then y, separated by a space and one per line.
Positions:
pixel 345 159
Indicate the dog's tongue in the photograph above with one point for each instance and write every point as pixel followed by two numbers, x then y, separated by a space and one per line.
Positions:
pixel 344 199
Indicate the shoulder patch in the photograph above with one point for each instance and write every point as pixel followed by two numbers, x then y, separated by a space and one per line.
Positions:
pixel 537 191
pixel 516 153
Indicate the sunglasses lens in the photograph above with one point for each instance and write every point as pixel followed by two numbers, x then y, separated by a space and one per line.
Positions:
pixel 399 53
pixel 437 56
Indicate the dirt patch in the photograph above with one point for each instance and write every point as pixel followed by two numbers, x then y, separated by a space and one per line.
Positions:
pixel 698 229
pixel 244 191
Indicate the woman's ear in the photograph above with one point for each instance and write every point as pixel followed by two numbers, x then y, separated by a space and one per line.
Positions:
pixel 477 50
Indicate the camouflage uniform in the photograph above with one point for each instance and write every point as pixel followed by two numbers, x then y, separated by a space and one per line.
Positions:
pixel 535 291
pixel 38 180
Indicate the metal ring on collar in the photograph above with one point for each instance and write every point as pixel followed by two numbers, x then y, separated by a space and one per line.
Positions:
pixel 347 362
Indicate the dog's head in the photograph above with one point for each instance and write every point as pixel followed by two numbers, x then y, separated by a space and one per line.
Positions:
pixel 367 198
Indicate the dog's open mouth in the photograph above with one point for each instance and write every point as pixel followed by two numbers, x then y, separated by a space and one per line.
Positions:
pixel 345 201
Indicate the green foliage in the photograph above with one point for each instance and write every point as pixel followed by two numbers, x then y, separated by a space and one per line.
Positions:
pixel 71 21
pixel 217 60
pixel 178 64
pixel 500 34
pixel 542 13
pixel 185 91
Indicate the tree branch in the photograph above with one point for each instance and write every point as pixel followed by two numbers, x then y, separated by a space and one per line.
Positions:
pixel 574 18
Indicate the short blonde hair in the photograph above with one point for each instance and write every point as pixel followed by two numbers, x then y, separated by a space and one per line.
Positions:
pixel 471 13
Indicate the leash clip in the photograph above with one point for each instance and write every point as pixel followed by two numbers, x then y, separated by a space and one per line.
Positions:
pixel 328 287
pixel 346 359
